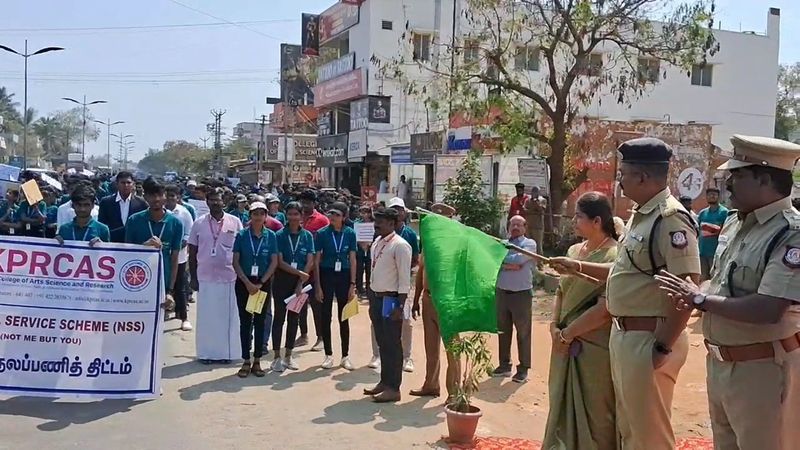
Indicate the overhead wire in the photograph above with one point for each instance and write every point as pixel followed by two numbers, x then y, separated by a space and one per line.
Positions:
pixel 225 20
pixel 146 27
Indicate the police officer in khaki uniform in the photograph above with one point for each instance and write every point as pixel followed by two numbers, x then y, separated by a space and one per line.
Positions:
pixel 752 303
pixel 648 344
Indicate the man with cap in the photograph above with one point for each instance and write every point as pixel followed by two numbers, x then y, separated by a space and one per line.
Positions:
pixel 431 332
pixel 648 344
pixel 410 236
pixel 274 205
pixel 533 211
pixel 751 306
pixel 518 201
pixel 240 209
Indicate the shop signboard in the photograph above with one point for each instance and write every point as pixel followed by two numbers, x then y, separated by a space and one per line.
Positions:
pixel 336 20
pixel 332 151
pixel 342 88
pixel 425 146
pixel 336 68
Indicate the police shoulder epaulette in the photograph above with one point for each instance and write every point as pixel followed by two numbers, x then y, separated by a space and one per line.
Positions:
pixel 667 211
pixel 793 218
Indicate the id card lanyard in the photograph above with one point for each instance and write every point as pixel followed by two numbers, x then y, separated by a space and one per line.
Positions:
pixel 86 233
pixel 256 251
pixel 380 252
pixel 337 266
pixel 215 236
pixel 152 234
pixel 293 248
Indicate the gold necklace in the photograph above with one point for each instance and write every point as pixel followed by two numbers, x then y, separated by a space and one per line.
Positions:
pixel 586 252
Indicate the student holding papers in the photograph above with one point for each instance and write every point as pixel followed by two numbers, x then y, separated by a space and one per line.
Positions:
pixel 255 258
pixel 295 261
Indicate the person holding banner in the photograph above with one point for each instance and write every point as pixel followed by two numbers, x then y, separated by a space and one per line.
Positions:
pixel 214 278
pixel 336 260
pixel 255 258
pixel 295 263
pixel 155 228
pixel 83 227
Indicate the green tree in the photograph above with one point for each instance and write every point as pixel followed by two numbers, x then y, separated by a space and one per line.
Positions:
pixel 8 106
pixel 466 194
pixel 787 111
pixel 51 134
pixel 530 67
pixel 179 156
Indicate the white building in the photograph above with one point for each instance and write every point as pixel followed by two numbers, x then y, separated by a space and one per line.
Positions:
pixel 735 92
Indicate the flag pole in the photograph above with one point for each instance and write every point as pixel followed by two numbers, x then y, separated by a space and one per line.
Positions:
pixel 533 255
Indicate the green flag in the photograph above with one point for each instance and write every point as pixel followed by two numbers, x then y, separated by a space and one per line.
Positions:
pixel 461 264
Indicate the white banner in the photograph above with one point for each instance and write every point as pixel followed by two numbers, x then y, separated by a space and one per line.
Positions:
pixel 200 207
pixel 79 321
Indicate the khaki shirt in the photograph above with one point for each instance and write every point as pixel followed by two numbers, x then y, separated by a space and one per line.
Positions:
pixel 534 213
pixel 739 270
pixel 633 293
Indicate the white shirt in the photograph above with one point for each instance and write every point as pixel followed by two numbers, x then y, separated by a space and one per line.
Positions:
pixel 183 214
pixel 124 207
pixel 391 265
pixel 402 190
pixel 383 188
pixel 66 213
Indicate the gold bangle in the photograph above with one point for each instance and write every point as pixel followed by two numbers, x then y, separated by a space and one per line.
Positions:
pixel 580 267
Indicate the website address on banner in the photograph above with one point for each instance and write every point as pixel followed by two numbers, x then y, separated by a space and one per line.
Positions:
pixel 46 282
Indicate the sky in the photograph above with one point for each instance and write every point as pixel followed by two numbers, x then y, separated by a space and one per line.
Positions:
pixel 163 65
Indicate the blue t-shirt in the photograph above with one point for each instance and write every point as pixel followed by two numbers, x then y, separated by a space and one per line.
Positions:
pixel 295 247
pixel 70 231
pixel 191 210
pixel 255 251
pixel 243 216
pixel 280 217
pixel 139 229
pixel 28 211
pixel 410 236
pixel 708 245
pixel 52 215
pixel 336 246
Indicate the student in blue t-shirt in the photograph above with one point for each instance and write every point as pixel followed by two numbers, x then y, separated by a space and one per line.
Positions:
pixel 336 258
pixel 711 220
pixel 83 227
pixel 255 258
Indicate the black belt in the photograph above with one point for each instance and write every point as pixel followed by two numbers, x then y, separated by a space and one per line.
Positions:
pixel 506 291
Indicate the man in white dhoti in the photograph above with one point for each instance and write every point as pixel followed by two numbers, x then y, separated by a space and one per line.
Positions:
pixel 213 277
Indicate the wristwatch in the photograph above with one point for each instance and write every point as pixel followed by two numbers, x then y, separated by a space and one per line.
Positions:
pixel 661 348
pixel 699 301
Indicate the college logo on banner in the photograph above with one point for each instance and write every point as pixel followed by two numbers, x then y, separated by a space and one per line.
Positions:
pixel 135 276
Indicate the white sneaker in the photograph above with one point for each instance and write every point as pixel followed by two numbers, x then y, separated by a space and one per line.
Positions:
pixel 317 347
pixel 408 365
pixel 328 363
pixel 290 363
pixel 186 325
pixel 346 364
pixel 375 362
pixel 277 365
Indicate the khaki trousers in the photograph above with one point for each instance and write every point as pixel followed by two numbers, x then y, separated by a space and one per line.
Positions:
pixel 755 405
pixel 644 394
pixel 433 346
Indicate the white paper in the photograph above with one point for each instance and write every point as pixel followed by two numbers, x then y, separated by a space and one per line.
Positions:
pixel 305 290
pixel 365 231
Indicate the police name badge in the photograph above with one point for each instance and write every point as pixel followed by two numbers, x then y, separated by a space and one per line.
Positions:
pixel 678 239
pixel 791 258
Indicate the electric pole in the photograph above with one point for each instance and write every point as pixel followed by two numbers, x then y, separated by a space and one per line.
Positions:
pixel 218 136
pixel 205 142
pixel 260 150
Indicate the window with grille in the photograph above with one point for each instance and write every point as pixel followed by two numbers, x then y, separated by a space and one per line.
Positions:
pixel 702 74
pixel 471 51
pixel 591 65
pixel 386 24
pixel 527 58
pixel 422 46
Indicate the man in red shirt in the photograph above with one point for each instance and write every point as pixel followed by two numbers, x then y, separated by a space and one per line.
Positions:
pixel 313 221
pixel 518 201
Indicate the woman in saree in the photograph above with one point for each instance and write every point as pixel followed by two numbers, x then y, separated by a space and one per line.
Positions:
pixel 582 403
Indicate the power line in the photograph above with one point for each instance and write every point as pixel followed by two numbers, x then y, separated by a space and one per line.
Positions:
pixel 147 74
pixel 148 27
pixel 146 81
pixel 225 20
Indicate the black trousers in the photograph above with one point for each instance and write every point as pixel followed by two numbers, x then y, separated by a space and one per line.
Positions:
pixel 334 284
pixel 282 288
pixel 180 293
pixel 363 267
pixel 387 333
pixel 251 325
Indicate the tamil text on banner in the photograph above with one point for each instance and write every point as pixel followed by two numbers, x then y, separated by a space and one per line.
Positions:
pixel 79 321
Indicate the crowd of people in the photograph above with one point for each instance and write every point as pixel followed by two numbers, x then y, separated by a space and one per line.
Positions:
pixel 618 330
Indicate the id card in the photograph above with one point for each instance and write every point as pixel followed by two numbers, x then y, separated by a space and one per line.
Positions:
pixel 294 265
pixel 337 267
pixel 213 251
pixel 27 227
pixel 254 271
pixel 11 231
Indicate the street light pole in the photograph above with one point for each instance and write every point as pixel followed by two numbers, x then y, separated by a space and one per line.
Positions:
pixel 25 55
pixel 109 124
pixel 83 133
pixel 123 149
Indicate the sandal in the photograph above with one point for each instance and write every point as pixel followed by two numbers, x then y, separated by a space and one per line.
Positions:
pixel 257 370
pixel 244 372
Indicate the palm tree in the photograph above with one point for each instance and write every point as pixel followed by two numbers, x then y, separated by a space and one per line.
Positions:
pixel 50 131
pixel 8 107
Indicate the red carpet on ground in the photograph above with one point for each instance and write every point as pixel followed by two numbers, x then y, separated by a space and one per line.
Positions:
pixel 501 443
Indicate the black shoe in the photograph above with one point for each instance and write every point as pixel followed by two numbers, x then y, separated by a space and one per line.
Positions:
pixel 502 371
pixel 205 361
pixel 521 376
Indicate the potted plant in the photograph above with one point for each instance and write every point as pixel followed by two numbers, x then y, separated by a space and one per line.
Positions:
pixel 476 360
